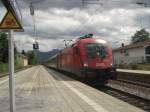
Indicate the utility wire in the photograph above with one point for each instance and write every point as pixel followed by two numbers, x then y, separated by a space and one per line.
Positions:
pixel 19 9
pixel 34 26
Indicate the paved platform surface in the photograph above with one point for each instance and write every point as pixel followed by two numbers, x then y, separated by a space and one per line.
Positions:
pixel 39 89
pixel 134 71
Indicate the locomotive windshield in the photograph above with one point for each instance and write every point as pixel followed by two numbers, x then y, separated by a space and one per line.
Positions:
pixel 94 50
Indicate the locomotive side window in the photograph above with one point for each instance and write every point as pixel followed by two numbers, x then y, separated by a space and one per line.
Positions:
pixel 94 50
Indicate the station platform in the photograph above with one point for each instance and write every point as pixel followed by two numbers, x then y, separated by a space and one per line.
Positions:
pixel 134 71
pixel 139 76
pixel 39 89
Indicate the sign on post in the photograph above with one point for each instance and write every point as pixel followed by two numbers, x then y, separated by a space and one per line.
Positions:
pixel 10 20
pixel 10 23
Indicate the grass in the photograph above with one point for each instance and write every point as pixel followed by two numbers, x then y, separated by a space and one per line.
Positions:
pixel 3 67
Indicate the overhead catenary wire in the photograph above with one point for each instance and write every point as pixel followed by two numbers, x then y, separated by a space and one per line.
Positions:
pixel 32 12
pixel 34 28
pixel 33 19
pixel 16 1
pixel 99 3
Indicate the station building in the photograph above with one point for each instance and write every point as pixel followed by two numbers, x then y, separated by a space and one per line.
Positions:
pixel 133 53
pixel 22 60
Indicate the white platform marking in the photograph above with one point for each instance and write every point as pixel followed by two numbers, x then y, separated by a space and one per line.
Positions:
pixel 4 81
pixel 93 104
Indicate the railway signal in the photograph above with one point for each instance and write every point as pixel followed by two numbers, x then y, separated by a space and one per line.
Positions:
pixel 36 46
pixel 10 23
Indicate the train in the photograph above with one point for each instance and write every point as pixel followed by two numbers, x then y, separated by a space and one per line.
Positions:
pixel 87 58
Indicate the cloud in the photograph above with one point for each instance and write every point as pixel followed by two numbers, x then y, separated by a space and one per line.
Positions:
pixel 63 19
pixel 2 11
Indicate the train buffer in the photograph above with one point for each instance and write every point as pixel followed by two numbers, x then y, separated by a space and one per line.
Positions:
pixel 39 89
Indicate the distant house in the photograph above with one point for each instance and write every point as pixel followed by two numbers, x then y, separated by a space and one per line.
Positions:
pixel 133 53
pixel 22 60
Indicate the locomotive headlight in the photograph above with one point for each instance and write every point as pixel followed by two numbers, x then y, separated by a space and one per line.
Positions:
pixel 85 64
pixel 111 64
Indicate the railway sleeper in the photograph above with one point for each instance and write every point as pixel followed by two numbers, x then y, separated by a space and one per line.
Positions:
pixel 139 91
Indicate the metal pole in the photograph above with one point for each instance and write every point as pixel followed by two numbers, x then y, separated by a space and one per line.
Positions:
pixel 11 71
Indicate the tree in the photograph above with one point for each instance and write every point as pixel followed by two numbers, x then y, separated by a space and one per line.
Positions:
pixel 32 59
pixel 4 48
pixel 140 36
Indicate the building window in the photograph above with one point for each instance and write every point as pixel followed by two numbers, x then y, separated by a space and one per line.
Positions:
pixel 147 50
pixel 126 54
pixel 148 59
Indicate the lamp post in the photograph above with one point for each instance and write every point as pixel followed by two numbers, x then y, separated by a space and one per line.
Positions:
pixel 32 13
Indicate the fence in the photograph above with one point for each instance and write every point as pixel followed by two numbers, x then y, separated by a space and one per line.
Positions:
pixel 129 60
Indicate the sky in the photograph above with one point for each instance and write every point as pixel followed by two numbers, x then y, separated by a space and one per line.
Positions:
pixel 55 20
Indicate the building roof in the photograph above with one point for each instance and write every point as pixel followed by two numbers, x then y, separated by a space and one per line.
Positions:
pixel 131 46
pixel 23 56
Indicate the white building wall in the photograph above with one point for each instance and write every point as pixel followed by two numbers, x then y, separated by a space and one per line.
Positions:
pixel 25 62
pixel 136 52
pixel 135 55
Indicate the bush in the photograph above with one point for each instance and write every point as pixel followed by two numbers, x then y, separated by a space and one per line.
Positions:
pixel 123 66
pixel 144 66
pixel 133 66
pixel 3 67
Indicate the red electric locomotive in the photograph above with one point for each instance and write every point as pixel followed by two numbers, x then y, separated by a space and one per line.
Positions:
pixel 87 58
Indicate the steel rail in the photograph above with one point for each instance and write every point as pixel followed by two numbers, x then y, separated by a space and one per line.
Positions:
pixel 134 89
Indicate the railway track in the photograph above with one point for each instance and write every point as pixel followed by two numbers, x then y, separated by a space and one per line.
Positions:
pixel 129 98
pixel 135 83
pixel 134 88
pixel 134 77
pixel 132 92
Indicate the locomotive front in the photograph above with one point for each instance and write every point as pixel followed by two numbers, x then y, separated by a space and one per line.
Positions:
pixel 96 55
